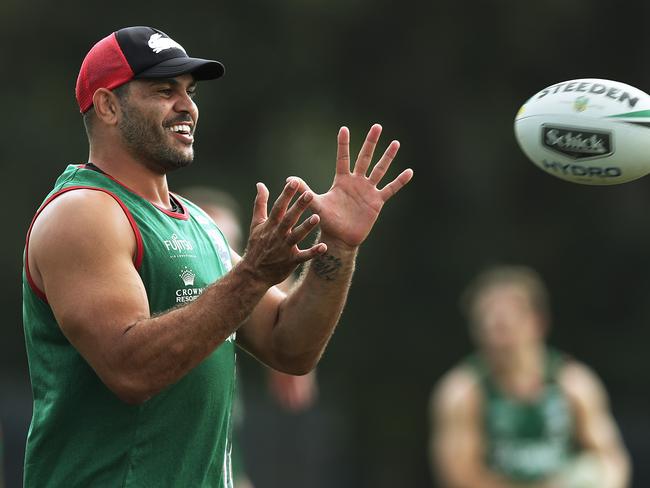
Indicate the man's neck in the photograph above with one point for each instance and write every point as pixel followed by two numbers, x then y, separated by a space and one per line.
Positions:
pixel 122 166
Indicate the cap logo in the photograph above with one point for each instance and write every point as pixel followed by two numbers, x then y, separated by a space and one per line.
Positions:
pixel 158 43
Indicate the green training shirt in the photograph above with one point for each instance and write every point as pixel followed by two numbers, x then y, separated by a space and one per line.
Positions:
pixel 526 440
pixel 82 434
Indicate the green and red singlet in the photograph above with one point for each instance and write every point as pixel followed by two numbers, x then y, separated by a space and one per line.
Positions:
pixel 81 434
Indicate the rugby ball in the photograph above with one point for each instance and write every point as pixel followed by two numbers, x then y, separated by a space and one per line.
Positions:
pixel 588 131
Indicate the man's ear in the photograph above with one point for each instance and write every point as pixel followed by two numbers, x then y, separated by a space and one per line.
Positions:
pixel 107 107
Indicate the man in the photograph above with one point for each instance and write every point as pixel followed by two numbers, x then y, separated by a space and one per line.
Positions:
pixel 518 413
pixel 132 304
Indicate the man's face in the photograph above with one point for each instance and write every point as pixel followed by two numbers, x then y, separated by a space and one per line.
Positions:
pixel 504 319
pixel 158 122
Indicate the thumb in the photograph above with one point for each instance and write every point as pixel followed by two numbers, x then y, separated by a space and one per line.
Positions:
pixel 303 187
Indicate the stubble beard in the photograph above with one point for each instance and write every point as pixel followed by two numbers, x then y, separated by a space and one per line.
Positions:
pixel 147 141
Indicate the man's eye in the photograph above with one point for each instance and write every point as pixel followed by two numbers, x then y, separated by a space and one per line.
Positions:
pixel 165 91
pixel 191 93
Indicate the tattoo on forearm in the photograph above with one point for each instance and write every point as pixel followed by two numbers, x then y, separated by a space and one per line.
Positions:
pixel 327 266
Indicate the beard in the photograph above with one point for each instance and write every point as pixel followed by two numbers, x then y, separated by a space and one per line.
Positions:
pixel 149 141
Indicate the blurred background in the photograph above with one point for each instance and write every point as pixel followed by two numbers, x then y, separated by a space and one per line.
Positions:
pixel 445 78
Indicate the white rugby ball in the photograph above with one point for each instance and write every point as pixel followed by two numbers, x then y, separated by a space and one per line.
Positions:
pixel 588 131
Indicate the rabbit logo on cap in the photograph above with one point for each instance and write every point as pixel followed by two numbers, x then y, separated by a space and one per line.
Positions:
pixel 158 43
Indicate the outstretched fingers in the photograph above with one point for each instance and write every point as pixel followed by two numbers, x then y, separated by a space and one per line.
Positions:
pixel 383 164
pixel 297 209
pixel 343 151
pixel 367 150
pixel 280 206
pixel 302 186
pixel 303 230
pixel 260 205
pixel 396 185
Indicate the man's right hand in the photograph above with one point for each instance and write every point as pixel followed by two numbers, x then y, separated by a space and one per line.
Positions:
pixel 272 252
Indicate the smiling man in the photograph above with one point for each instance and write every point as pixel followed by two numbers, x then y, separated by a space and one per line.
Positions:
pixel 133 302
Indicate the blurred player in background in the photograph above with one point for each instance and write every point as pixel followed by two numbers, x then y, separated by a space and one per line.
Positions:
pixel 293 393
pixel 518 413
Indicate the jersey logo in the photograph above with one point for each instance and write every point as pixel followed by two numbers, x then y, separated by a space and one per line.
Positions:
pixel 158 43
pixel 188 293
pixel 179 247
pixel 174 243
pixel 187 275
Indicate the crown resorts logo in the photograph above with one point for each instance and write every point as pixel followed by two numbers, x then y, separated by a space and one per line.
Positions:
pixel 187 276
pixel 158 43
pixel 189 292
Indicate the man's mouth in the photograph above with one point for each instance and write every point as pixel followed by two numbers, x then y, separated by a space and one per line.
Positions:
pixel 182 131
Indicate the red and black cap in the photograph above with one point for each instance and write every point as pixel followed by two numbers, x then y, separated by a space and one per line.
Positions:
pixel 135 53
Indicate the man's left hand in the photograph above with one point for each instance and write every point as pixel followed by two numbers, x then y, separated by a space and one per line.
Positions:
pixel 349 209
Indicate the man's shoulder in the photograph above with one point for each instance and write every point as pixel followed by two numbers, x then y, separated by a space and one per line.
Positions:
pixel 77 229
pixel 80 202
pixel 73 213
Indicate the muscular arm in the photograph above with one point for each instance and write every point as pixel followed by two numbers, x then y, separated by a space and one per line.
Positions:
pixel 597 432
pixel 80 254
pixel 456 442
pixel 290 332
pixel 291 392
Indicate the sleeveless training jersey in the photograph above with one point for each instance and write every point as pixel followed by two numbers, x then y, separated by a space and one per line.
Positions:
pixel 526 440
pixel 81 434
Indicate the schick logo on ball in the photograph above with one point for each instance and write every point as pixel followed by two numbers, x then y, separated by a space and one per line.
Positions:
pixel 577 143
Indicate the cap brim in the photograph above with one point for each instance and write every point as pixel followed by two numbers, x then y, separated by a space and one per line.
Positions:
pixel 201 69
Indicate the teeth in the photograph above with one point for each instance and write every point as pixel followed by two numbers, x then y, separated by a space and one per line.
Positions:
pixel 182 128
